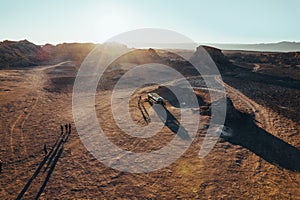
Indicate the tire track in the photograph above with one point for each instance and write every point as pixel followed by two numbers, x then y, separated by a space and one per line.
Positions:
pixel 264 118
pixel 16 138
pixel 12 132
pixel 260 117
pixel 261 114
pixel 37 80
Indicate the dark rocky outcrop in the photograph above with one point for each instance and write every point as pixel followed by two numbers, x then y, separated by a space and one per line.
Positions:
pixel 206 57
pixel 21 54
pixel 217 55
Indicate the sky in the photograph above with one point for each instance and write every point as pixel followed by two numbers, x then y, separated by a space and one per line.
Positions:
pixel 204 21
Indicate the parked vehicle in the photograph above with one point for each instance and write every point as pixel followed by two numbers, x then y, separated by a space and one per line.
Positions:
pixel 155 98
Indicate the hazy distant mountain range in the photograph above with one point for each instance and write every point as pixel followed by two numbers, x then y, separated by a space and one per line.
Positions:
pixel 15 54
pixel 273 47
pixel 266 47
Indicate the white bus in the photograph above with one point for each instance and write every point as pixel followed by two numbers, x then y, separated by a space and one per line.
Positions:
pixel 155 98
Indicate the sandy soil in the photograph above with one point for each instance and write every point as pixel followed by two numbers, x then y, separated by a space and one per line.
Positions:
pixel 35 102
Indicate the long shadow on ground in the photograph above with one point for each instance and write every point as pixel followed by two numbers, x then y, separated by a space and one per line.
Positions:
pixel 52 157
pixel 272 149
pixel 170 121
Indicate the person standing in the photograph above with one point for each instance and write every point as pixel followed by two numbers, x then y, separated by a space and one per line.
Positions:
pixel 66 126
pixel 45 149
pixel 69 128
pixel 0 166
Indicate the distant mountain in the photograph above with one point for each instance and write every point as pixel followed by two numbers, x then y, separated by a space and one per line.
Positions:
pixel 21 54
pixel 267 47
pixel 68 51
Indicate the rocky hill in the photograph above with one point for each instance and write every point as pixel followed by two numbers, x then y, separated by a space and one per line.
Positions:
pixel 221 61
pixel 21 54
pixel 68 51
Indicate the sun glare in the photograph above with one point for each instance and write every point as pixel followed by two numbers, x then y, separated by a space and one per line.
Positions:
pixel 110 21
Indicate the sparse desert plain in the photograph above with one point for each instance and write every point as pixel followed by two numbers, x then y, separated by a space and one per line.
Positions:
pixel 261 160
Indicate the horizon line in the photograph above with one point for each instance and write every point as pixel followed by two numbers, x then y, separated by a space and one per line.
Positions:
pixel 198 43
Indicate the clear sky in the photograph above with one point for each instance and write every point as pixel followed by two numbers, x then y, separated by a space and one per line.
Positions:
pixel 204 21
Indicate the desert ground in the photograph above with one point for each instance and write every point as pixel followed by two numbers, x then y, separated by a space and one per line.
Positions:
pixel 261 160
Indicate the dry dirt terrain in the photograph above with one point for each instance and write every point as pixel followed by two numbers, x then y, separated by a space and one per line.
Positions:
pixel 260 161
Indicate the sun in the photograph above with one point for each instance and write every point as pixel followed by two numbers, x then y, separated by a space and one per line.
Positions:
pixel 112 20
